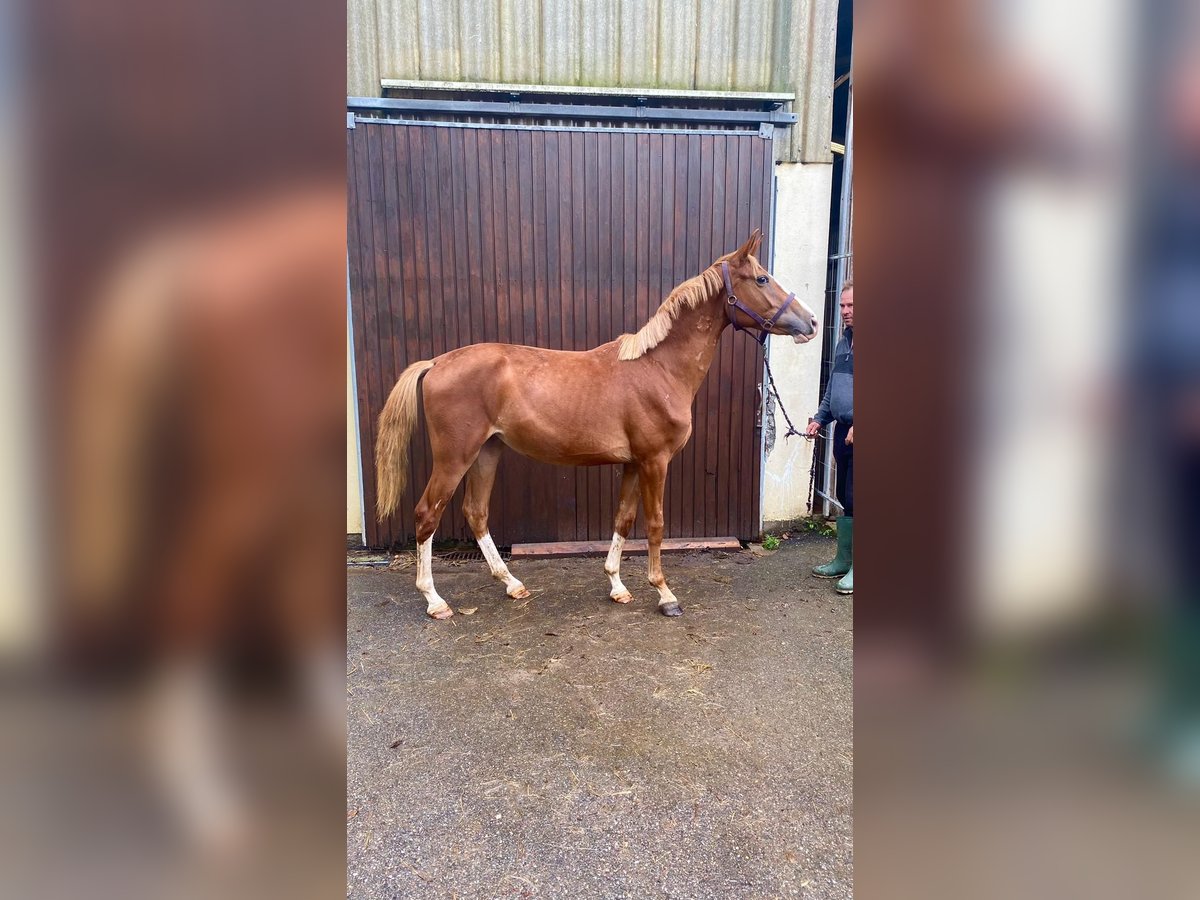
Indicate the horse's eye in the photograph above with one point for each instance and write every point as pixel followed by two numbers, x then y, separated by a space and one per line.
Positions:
pixel 762 279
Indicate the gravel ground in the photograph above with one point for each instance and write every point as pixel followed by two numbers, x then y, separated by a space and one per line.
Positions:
pixel 566 746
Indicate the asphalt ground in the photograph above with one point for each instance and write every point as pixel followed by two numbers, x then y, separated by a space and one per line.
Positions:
pixel 567 746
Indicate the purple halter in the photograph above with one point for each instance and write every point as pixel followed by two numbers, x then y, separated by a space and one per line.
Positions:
pixel 763 324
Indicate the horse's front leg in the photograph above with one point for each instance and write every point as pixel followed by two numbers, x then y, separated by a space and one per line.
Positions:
pixel 626 514
pixel 654 478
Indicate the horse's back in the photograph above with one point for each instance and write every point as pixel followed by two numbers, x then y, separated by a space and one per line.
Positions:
pixel 468 366
pixel 562 406
pixel 523 353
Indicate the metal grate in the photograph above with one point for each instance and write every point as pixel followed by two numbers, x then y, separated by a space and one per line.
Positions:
pixel 465 556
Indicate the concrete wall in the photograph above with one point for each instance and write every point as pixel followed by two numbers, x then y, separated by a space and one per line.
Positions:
pixel 802 201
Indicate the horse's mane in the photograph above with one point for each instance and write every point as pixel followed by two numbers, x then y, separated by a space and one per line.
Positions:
pixel 687 295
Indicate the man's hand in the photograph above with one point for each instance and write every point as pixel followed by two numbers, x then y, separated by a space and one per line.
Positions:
pixel 850 436
pixel 812 429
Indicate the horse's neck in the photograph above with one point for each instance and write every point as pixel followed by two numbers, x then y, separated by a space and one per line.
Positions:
pixel 688 351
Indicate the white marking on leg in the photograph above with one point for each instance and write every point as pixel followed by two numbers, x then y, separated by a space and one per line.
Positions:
pixel 189 754
pixel 499 570
pixel 436 606
pixel 323 670
pixel 612 566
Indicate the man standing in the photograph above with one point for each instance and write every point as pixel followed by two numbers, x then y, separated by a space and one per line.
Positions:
pixel 837 406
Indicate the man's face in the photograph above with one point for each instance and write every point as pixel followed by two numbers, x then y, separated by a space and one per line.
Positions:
pixel 847 306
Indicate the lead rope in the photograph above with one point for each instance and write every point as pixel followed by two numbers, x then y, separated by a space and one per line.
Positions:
pixel 812 480
pixel 779 402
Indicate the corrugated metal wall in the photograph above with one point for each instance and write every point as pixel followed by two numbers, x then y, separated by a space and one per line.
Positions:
pixel 728 45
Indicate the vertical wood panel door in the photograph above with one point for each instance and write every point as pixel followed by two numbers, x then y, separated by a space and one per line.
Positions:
pixel 562 239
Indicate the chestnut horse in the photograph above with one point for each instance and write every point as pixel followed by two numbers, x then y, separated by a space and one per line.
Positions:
pixel 628 401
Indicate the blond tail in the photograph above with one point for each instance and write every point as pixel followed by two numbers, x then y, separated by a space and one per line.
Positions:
pixel 396 424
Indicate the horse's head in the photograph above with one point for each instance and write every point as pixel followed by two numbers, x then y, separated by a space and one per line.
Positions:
pixel 756 301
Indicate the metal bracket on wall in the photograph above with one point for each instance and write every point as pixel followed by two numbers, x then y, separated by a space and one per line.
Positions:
pixel 766 131
pixel 350 121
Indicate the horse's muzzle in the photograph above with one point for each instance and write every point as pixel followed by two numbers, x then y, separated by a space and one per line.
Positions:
pixel 800 335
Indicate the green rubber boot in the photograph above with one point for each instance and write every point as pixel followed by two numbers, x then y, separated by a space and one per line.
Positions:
pixel 846 585
pixel 841 563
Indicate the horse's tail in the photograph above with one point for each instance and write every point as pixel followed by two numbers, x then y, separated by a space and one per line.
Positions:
pixel 396 424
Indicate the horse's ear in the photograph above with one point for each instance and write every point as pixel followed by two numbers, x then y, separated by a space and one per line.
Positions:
pixel 751 246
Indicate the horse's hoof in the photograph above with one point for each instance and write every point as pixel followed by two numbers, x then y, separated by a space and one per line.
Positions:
pixel 519 593
pixel 626 597
pixel 671 609
pixel 442 612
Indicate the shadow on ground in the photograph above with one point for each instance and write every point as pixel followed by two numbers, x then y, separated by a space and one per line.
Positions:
pixel 567 746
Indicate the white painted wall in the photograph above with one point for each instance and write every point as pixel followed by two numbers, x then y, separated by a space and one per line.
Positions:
pixel 1042 478
pixel 354 506
pixel 21 626
pixel 801 251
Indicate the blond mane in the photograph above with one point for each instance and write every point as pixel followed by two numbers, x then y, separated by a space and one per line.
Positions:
pixel 687 295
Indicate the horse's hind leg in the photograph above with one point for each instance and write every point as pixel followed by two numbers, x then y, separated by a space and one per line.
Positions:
pixel 626 514
pixel 480 478
pixel 438 491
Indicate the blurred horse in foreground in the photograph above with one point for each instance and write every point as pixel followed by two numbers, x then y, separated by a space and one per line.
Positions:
pixel 205 480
